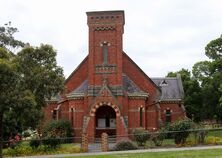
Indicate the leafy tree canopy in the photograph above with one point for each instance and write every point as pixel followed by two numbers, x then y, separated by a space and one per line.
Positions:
pixel 27 79
pixel 40 72
pixel 203 91
pixel 220 89
pixel 7 39
pixel 192 91
pixel 213 50
pixel 209 74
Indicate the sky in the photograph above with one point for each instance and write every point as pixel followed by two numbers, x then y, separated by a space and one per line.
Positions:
pixel 159 35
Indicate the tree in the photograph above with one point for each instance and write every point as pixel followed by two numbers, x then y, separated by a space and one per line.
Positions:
pixel 220 89
pixel 9 78
pixel 7 83
pixel 209 74
pixel 213 50
pixel 27 79
pixel 203 91
pixel 41 75
pixel 7 39
pixel 11 96
pixel 202 70
pixel 192 98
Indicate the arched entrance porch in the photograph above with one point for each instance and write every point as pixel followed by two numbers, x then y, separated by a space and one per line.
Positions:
pixel 90 122
pixel 105 121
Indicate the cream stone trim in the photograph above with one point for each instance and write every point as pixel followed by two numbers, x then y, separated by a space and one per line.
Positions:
pixel 96 106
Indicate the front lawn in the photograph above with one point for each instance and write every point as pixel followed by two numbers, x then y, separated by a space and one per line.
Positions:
pixel 215 133
pixel 23 149
pixel 211 153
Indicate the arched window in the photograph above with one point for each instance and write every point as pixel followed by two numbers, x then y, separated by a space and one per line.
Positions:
pixel 141 116
pixel 72 111
pixel 54 114
pixel 168 116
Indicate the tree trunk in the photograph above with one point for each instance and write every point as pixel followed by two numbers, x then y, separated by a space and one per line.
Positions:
pixel 1 134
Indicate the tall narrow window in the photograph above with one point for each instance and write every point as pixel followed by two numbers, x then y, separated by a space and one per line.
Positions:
pixel 72 111
pixel 141 117
pixel 54 114
pixel 168 116
pixel 105 53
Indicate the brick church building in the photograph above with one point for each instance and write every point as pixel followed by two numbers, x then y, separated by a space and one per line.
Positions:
pixel 109 93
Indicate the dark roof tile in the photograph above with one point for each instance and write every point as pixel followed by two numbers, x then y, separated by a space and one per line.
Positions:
pixel 170 87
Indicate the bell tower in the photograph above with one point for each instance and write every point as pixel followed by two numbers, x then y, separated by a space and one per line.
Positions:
pixel 105 47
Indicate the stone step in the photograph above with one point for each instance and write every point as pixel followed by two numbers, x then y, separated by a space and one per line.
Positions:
pixel 110 140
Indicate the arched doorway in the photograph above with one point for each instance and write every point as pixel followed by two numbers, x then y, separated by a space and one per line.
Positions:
pixel 105 121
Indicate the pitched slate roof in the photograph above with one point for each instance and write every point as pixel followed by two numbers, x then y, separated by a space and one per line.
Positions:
pixel 82 88
pixel 128 85
pixel 171 87
pixel 79 91
pixel 132 89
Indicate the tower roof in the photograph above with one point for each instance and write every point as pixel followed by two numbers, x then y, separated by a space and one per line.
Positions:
pixel 115 16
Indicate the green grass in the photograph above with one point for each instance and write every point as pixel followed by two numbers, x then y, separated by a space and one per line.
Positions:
pixel 211 153
pixel 23 149
pixel 166 142
pixel 169 142
pixel 215 133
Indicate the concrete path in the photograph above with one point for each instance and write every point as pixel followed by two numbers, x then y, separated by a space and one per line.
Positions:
pixel 129 151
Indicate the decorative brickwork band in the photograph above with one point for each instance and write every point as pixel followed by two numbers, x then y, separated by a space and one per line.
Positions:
pixel 96 106
pixel 84 142
pixel 104 142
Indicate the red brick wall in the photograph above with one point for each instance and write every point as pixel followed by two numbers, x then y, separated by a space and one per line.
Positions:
pixel 113 37
pixel 78 112
pixel 139 77
pixel 134 113
pixel 120 129
pixel 64 110
pixel 176 111
pixel 152 117
pixel 77 76
pixel 48 111
pixel 145 83
pixel 91 127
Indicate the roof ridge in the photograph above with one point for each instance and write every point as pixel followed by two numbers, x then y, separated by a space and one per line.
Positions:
pixel 163 77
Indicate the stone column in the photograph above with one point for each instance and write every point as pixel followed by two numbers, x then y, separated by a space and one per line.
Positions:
pixel 159 121
pixel 104 142
pixel 84 142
